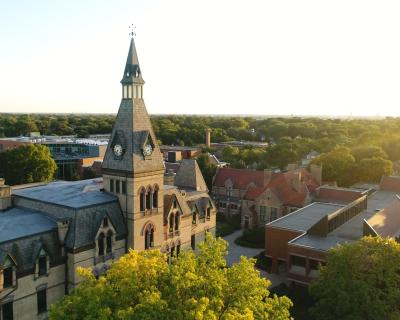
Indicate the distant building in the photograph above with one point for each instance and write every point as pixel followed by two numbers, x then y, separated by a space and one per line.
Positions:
pixel 183 152
pixel 263 196
pixel 298 243
pixel 239 144
pixel 309 157
pixel 71 154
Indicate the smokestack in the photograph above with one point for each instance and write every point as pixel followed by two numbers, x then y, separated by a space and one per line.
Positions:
pixel 5 195
pixel 208 138
pixel 316 172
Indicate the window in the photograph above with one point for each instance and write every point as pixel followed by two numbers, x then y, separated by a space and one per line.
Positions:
pixel 155 199
pixel 263 209
pixel 100 244
pixel 171 222
pixel 208 214
pixel 274 214
pixel 117 190
pixel 124 187
pixel 228 191
pixel 42 265
pixel 142 200
pixel 109 242
pixel 105 223
pixel 194 218
pixel 193 241
pixel 7 311
pixel 42 301
pixel 299 261
pixel 148 200
pixel 176 221
pixel 175 204
pixel 8 277
pixel 111 185
pixel 149 237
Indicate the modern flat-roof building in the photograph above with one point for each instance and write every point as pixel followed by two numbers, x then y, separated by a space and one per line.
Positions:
pixel 298 243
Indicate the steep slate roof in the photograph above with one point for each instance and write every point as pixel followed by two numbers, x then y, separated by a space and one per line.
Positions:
pixel 391 183
pixel 73 194
pixel 83 204
pixel 23 233
pixel 189 176
pixel 18 223
pixel 133 127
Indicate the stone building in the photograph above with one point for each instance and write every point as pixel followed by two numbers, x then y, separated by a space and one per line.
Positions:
pixel 263 196
pixel 47 230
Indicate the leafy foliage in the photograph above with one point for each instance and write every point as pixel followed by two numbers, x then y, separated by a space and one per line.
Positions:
pixel 26 164
pixel 141 285
pixel 361 280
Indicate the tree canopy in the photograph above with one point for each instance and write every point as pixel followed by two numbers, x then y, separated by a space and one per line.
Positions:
pixel 142 285
pixel 26 164
pixel 361 280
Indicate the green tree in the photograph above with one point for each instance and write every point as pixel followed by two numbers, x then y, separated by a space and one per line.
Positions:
pixel 337 165
pixel 26 164
pixel 368 151
pixel 142 285
pixel 361 280
pixel 372 170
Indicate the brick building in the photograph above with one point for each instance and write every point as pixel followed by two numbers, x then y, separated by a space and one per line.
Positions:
pixel 263 196
pixel 298 243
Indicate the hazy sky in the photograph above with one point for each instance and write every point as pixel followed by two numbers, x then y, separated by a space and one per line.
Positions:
pixel 209 56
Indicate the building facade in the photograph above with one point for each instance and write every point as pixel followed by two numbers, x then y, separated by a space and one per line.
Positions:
pixel 47 230
pixel 263 196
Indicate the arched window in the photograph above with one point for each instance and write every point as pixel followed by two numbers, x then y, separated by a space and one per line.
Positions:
pixel 109 242
pixel 194 217
pixel 149 237
pixel 177 220
pixel 148 199
pixel 142 199
pixel 155 197
pixel 171 222
pixel 100 244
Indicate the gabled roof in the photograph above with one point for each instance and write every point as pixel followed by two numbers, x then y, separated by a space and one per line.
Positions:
pixel 281 184
pixel 190 176
pixel 240 177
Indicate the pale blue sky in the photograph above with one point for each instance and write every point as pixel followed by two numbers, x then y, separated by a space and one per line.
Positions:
pixel 210 56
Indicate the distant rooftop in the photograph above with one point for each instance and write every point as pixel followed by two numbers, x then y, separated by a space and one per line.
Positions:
pixel 74 194
pixel 58 140
pixel 304 218
pixel 17 223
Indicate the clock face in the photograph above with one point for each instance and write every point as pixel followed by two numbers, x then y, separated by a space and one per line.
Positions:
pixel 147 150
pixel 118 150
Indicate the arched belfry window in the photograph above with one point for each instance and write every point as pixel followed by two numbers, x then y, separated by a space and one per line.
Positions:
pixel 149 236
pixel 155 197
pixel 109 242
pixel 148 199
pixel 177 221
pixel 100 244
pixel 142 196
pixel 171 222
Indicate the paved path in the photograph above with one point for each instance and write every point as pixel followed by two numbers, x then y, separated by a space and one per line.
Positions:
pixel 235 251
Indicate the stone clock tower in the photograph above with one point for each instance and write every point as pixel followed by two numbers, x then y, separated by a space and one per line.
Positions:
pixel 133 167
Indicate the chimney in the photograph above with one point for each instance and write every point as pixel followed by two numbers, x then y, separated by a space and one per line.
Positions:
pixel 5 195
pixel 208 138
pixel 267 176
pixel 296 181
pixel 316 172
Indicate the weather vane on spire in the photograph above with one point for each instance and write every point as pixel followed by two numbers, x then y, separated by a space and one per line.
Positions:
pixel 132 33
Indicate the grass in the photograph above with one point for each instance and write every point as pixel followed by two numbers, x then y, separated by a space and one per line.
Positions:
pixel 252 238
pixel 224 229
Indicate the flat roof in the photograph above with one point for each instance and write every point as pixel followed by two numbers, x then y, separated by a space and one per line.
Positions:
pixel 304 218
pixel 18 222
pixel 74 194
pixel 353 229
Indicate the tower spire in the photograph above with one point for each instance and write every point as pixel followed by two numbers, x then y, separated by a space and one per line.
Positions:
pixel 132 81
